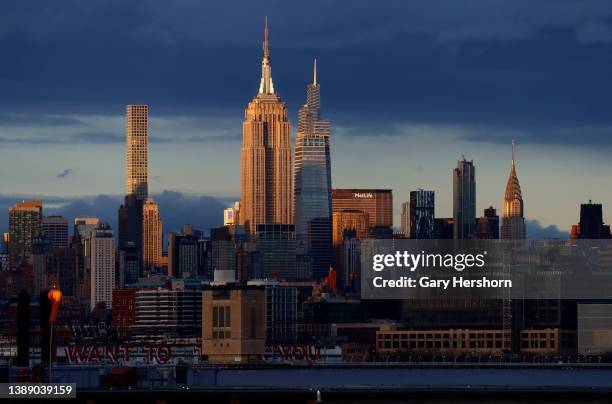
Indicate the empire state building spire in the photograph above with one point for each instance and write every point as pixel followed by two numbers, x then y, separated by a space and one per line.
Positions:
pixel 266 86
pixel 513 222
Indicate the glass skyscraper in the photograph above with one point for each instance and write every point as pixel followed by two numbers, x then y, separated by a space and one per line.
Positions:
pixel 312 185
pixel 464 200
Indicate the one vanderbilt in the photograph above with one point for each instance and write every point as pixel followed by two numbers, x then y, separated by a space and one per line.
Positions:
pixel 404 259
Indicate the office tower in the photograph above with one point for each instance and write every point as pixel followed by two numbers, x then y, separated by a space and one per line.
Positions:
pixel 183 255
pixel 422 207
pixel 137 123
pixel 164 315
pixel 55 229
pixel 312 181
pixel 378 203
pixel 25 223
pixel 266 180
pixel 349 220
pixel 223 253
pixel 464 199
pixel 405 224
pixel 234 323
pixel 151 235
pixel 102 266
pixel 488 225
pixel 591 224
pixel 277 245
pixel 281 312
pixel 83 225
pixel 129 265
pixel 513 222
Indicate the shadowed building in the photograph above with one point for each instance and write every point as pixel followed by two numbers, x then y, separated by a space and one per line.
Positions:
pixel 513 222
pixel 266 179
pixel 422 206
pixel 55 229
pixel 464 200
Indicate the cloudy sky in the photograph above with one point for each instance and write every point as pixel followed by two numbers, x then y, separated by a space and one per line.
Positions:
pixel 410 87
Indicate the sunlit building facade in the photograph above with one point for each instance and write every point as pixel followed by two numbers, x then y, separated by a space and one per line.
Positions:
pixel 25 223
pixel 513 222
pixel 151 235
pixel 266 175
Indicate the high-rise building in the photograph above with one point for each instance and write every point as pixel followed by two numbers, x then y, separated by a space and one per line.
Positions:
pixel 405 224
pixel 488 225
pixel 591 224
pixel 464 199
pixel 422 208
pixel 164 315
pixel 513 222
pixel 137 124
pixel 312 181
pixel 55 229
pixel 83 225
pixel 102 266
pixel 131 212
pixel 277 246
pixel 266 180
pixel 281 312
pixel 183 255
pixel 443 228
pixel 152 234
pixel 356 220
pixel 25 223
pixel 377 203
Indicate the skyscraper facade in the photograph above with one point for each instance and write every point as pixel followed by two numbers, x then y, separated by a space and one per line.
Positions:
pixel 464 200
pixel 405 219
pixel 266 179
pixel 151 235
pixel 312 181
pixel 55 229
pixel 137 123
pixel 591 225
pixel 378 203
pixel 422 208
pixel 513 222
pixel 102 266
pixel 25 223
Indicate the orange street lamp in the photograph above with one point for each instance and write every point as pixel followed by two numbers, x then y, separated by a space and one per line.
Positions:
pixel 55 297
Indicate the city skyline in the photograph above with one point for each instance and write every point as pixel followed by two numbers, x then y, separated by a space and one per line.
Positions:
pixel 411 147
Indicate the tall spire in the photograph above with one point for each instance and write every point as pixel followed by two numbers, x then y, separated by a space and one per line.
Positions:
pixel 513 152
pixel 266 86
pixel 314 81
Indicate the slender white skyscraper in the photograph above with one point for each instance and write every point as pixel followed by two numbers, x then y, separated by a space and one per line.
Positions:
pixel 312 181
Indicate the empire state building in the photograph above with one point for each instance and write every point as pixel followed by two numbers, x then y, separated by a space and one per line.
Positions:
pixel 513 222
pixel 266 180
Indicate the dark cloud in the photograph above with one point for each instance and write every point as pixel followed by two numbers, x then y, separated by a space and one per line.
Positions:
pixel 536 231
pixel 496 64
pixel 65 173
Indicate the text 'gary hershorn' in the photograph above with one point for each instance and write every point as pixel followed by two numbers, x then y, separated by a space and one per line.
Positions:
pixel 404 260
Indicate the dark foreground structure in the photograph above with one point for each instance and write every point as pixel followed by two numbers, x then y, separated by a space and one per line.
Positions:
pixel 357 384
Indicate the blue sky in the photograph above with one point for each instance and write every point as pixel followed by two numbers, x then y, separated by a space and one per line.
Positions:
pixel 410 87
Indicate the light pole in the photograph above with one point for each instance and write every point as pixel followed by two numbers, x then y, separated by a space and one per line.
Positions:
pixel 55 297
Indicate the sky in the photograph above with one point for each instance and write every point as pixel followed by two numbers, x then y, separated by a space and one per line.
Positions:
pixel 410 87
